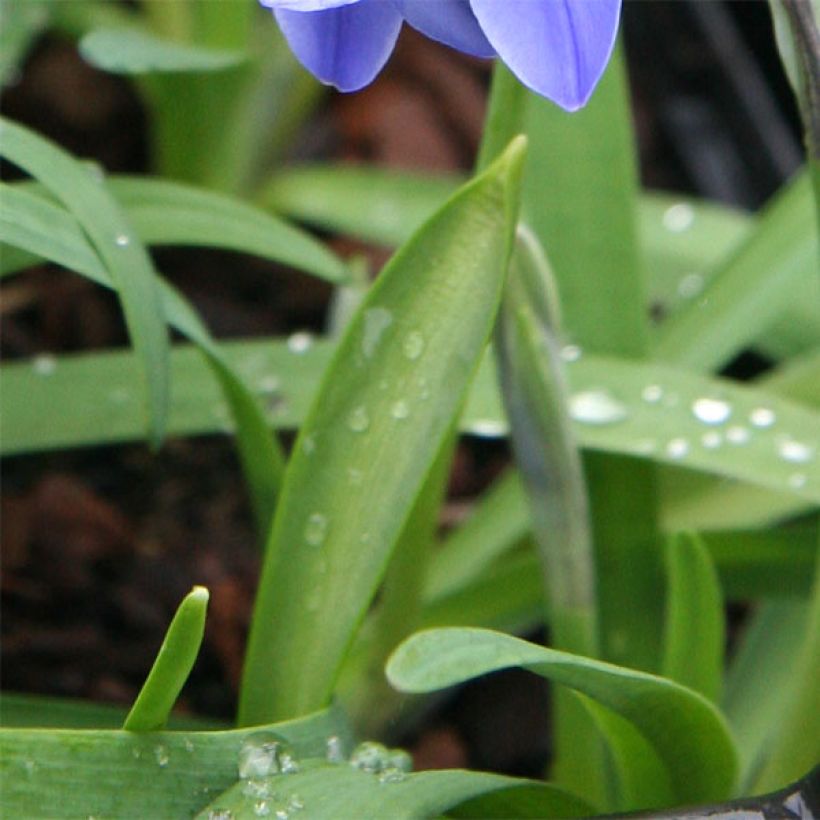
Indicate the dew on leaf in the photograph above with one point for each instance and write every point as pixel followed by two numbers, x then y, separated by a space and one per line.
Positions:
pixel 413 345
pixel 392 775
pixel 488 428
pixel 358 420
pixel 316 529
pixel 711 440
pixel 334 749
pixel 762 417
pixel 220 814
pixel 376 321
pixel 300 342
pixel 690 285
pixel 794 451
pixel 679 217
pixel 264 754
pixel 738 434
pixel 571 353
pixel 44 365
pixel 597 407
pixel 400 410
pixel 797 480
pixel 122 240
pixel 677 448
pixel 652 393
pixel 161 756
pixel 711 411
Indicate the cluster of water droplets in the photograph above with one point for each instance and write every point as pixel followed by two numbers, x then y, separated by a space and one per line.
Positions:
pixel 721 423
pixel 388 765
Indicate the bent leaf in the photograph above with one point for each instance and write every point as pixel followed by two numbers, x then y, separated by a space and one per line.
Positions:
pixel 375 427
pixel 687 733
pixel 172 666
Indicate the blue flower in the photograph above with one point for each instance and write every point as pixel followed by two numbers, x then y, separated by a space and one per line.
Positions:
pixel 558 48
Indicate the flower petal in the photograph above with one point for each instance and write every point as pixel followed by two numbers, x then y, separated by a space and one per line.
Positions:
pixel 449 21
pixel 558 48
pixel 345 46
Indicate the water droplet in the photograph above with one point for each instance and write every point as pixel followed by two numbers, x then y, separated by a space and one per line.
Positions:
pixel 571 353
pixel 690 285
pixel 255 788
pixel 645 446
pixel 264 754
pixel 679 217
pixel 335 749
pixel 711 411
pixel 376 321
pixel 122 240
pixel 295 803
pixel 30 766
pixel 400 410
pixel 44 364
pixel 711 440
pixel 316 529
pixel 261 808
pixel 737 435
pixel 401 760
pixel 300 342
pixel 268 384
pixel 136 753
pixel 161 756
pixel 677 448
pixel 762 417
pixel 369 756
pixel 794 451
pixel 797 480
pixel 189 746
pixel 597 407
pixel 652 393
pixel 489 428
pixel 358 420
pixel 392 775
pixel 413 345
pixel 220 814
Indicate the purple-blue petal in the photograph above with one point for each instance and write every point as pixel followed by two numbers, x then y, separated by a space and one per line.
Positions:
pixel 346 46
pixel 449 21
pixel 558 48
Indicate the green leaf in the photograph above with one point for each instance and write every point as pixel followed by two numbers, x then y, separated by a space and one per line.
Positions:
pixel 36 712
pixel 758 682
pixel 172 666
pixel 685 730
pixel 162 213
pixel 329 792
pixel 753 288
pixel 666 430
pixel 694 627
pixel 110 773
pixel 114 241
pixel 21 22
pixel 136 51
pixel 374 431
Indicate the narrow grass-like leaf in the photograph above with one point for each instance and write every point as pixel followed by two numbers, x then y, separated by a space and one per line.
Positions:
pixel 758 681
pixel 373 432
pixel 694 626
pixel 686 731
pixel 795 743
pixel 172 666
pixel 753 287
pixel 329 792
pixel 135 51
pixel 111 773
pixel 120 250
pixel 20 24
pixel 666 430
pixel 162 213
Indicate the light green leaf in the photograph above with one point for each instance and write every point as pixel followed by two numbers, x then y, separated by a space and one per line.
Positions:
pixel 694 627
pixel 685 730
pixel 21 21
pixel 72 773
pixel 136 51
pixel 329 792
pixel 162 213
pixel 374 430
pixel 172 666
pixel 121 252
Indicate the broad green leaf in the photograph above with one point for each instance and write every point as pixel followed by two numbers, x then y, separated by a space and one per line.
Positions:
pixel 376 425
pixel 162 213
pixel 112 773
pixel 286 378
pixel 687 733
pixel 135 51
pixel 694 629
pixel 753 288
pixel 329 792
pixel 758 681
pixel 122 254
pixel 20 711
pixel 172 666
